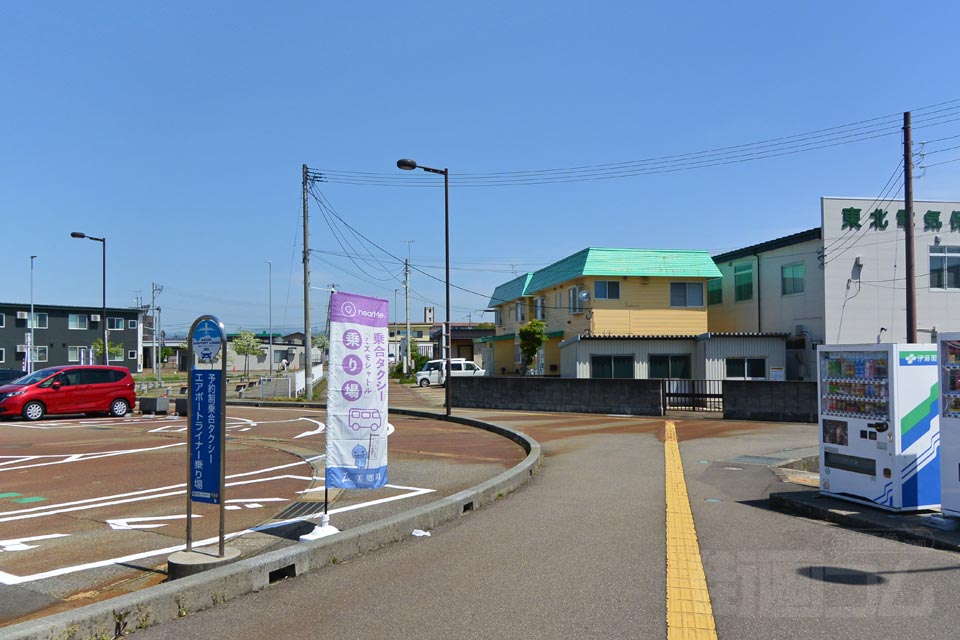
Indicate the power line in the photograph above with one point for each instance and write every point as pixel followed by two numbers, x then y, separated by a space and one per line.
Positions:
pixel 786 145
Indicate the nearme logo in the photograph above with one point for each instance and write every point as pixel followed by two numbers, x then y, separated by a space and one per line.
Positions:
pixel 349 310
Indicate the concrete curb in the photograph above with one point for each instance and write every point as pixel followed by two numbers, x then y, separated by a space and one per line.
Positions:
pixel 179 598
pixel 914 528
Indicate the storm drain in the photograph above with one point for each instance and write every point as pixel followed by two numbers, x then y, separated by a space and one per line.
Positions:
pixel 301 510
pixel 764 460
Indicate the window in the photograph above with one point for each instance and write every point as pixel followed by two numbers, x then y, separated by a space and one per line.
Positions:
pixel 418 334
pixel 743 282
pixel 498 316
pixel 944 267
pixel 540 308
pixel 74 353
pixel 667 366
pixel 517 354
pixel 686 294
pixel 520 311
pixel 791 278
pixel 715 291
pixel 611 367
pixel 3 354
pixel 574 301
pixel 39 321
pixel 115 324
pixel 746 369
pixel 77 321
pixel 39 354
pixel 456 366
pixel 131 324
pixel 115 357
pixel 131 355
pixel 3 320
pixel 606 290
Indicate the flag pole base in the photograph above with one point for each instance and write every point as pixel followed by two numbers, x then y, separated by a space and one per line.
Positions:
pixel 320 531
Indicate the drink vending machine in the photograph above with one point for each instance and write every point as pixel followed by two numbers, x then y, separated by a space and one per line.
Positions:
pixel 949 344
pixel 880 424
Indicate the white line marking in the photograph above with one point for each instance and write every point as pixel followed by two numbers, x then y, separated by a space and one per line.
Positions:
pixel 18 543
pixel 146 494
pixel 124 523
pixel 83 457
pixel 11 579
pixel 317 431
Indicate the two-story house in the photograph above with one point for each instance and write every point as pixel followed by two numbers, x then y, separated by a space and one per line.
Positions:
pixel 625 313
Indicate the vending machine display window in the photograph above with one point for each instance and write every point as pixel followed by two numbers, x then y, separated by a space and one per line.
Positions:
pixel 949 344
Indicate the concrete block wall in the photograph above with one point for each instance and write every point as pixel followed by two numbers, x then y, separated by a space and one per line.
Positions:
pixel 577 395
pixel 770 401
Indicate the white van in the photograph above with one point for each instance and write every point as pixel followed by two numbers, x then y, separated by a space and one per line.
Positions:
pixel 433 371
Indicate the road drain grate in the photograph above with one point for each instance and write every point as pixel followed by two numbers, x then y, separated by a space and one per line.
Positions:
pixel 301 510
pixel 764 460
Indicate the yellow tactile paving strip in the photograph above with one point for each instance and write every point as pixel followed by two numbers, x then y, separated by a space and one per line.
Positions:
pixel 689 614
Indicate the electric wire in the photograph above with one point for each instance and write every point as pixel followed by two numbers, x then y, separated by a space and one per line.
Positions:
pixel 786 145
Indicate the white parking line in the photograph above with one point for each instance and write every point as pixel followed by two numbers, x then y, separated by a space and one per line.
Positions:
pixel 83 457
pixel 11 579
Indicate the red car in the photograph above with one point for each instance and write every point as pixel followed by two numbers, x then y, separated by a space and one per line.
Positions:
pixel 69 389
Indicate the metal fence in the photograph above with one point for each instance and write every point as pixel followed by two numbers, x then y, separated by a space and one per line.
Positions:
pixel 692 395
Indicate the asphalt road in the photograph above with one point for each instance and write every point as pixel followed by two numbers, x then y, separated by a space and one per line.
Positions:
pixel 91 508
pixel 579 553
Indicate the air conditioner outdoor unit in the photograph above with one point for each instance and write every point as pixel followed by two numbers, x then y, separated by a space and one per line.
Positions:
pixel 94 317
pixel 21 348
pixel 22 315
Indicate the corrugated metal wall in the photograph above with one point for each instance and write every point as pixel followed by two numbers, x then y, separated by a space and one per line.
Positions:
pixel 718 349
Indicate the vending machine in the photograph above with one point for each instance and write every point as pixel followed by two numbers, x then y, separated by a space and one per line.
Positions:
pixel 949 344
pixel 880 424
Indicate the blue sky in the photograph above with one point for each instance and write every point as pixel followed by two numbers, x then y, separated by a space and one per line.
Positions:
pixel 177 130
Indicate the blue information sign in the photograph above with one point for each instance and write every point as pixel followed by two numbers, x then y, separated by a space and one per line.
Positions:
pixel 205 437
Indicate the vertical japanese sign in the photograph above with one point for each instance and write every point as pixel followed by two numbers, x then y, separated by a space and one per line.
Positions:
pixel 357 393
pixel 205 419
pixel 206 414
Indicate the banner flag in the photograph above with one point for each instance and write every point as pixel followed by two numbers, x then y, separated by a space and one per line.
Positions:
pixel 357 392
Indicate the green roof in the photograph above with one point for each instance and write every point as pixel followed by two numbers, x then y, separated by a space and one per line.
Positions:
pixel 610 262
pixel 512 290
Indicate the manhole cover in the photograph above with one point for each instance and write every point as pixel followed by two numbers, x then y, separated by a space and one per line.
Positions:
pixel 764 460
pixel 301 510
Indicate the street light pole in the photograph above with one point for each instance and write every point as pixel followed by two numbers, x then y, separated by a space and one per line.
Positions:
pixel 103 314
pixel 409 165
pixel 270 315
pixel 32 346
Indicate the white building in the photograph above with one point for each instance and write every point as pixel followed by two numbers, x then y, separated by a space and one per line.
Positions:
pixel 845 281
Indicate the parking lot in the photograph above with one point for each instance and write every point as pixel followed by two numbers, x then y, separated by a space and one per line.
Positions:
pixel 91 507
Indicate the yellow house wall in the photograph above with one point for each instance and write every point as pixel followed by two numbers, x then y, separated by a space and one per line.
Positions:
pixel 551 356
pixel 502 357
pixel 641 309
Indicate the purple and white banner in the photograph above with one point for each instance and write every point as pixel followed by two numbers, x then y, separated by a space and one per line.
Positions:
pixel 357 392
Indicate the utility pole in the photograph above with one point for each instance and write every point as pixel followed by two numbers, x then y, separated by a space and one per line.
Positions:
pixel 406 286
pixel 908 229
pixel 307 338
pixel 155 290
pixel 333 288
pixel 270 316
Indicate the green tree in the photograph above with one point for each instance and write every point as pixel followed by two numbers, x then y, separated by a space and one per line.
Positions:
pixel 116 349
pixel 532 336
pixel 246 344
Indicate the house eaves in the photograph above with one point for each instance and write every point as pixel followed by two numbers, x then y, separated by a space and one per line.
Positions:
pixel 770 245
